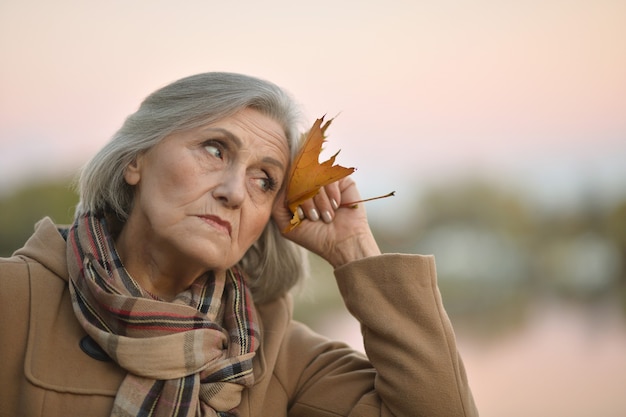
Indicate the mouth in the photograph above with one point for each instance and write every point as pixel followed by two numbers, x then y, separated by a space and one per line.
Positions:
pixel 217 223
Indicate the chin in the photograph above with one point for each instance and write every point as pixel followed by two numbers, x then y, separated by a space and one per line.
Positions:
pixel 212 255
pixel 217 261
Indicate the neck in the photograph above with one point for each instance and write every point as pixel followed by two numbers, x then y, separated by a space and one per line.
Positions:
pixel 159 272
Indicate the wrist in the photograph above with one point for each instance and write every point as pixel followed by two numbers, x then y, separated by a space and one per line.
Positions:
pixel 358 247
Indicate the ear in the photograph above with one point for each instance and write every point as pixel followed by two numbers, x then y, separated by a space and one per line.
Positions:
pixel 132 173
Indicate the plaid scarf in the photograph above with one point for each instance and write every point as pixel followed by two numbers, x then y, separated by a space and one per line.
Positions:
pixel 189 357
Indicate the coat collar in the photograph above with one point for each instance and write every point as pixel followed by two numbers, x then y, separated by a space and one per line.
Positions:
pixel 47 246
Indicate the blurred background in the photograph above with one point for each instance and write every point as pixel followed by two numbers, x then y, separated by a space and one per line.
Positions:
pixel 501 125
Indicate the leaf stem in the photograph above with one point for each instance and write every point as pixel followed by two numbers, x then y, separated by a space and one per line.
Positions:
pixel 355 204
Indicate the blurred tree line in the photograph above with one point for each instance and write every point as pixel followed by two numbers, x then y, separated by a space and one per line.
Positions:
pixel 495 249
pixel 23 207
pixel 498 250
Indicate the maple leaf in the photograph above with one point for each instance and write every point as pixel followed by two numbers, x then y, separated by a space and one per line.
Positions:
pixel 307 175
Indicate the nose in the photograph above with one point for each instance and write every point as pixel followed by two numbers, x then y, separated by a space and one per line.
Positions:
pixel 230 191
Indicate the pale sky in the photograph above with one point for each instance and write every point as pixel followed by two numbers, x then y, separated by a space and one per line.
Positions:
pixel 425 89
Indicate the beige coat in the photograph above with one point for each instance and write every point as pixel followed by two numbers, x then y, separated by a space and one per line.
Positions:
pixel 413 368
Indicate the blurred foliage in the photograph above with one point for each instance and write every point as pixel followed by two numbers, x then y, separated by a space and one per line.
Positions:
pixel 21 209
pixel 498 251
pixel 495 249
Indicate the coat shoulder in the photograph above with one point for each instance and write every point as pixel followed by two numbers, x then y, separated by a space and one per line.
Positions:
pixel 44 361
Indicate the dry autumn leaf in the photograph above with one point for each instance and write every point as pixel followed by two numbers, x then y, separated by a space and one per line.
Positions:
pixel 307 175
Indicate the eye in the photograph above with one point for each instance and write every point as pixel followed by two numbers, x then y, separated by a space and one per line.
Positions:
pixel 215 149
pixel 268 183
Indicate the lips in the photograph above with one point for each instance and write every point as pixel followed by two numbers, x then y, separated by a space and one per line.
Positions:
pixel 217 222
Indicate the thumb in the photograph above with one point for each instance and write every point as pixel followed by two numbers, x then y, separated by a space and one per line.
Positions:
pixel 280 212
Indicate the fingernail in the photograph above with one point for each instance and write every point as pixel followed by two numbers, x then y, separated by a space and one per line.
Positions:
pixel 334 203
pixel 313 215
pixel 300 212
pixel 327 217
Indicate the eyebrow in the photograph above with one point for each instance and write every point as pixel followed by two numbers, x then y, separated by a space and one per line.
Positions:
pixel 238 143
pixel 273 161
pixel 229 134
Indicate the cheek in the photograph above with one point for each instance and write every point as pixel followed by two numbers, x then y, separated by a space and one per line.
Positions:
pixel 175 181
pixel 253 226
pixel 164 200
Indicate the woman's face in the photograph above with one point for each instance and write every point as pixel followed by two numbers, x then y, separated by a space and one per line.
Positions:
pixel 205 195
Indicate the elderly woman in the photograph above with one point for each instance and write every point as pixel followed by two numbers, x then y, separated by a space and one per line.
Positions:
pixel 168 296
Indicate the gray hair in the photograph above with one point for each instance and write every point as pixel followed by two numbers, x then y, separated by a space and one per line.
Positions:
pixel 273 264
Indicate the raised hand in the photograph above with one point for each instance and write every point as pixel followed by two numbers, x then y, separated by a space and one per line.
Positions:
pixel 337 234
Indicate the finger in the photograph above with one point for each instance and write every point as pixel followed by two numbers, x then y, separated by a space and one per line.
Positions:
pixel 280 213
pixel 324 206
pixel 347 191
pixel 309 210
pixel 324 203
pixel 318 207
pixel 333 192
